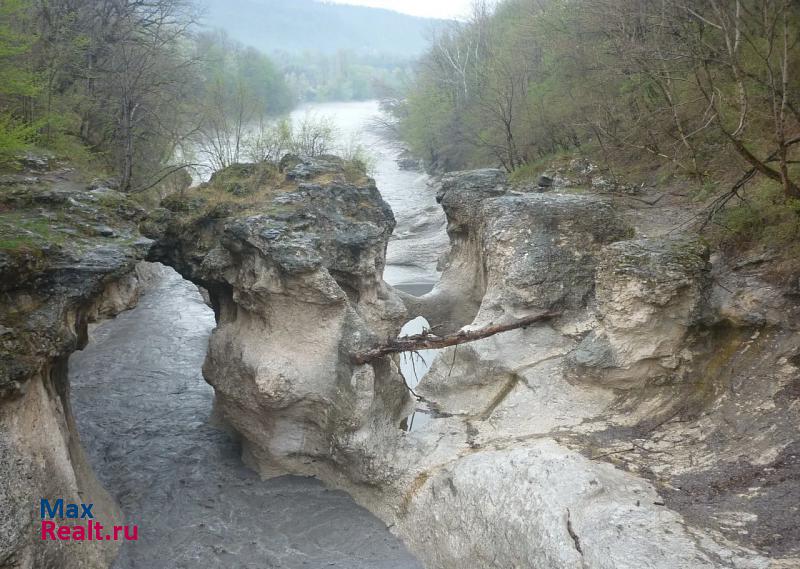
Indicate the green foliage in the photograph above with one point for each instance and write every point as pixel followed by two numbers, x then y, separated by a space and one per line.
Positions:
pixel 358 161
pixel 122 89
pixel 238 88
pixel 424 119
pixel 531 171
pixel 640 82
pixel 239 76
pixel 763 216
pixel 16 78
pixel 344 75
pixel 22 232
pixel 15 137
pixel 17 82
pixel 489 93
pixel 310 136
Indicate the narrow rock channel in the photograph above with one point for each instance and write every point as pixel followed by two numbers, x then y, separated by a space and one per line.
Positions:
pixel 143 410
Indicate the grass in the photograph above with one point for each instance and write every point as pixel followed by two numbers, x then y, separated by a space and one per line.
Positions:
pixel 243 187
pixel 15 243
pixel 27 230
pixel 764 220
pixel 530 171
pixel 763 216
pixel 19 232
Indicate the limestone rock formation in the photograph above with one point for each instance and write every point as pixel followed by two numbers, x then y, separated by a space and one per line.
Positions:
pixel 526 421
pixel 293 261
pixel 649 294
pixel 525 253
pixel 60 270
pixel 652 424
pixel 580 442
pixel 541 505
pixel 513 252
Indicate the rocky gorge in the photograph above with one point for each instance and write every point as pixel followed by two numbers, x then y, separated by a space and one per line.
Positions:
pixel 652 423
pixel 70 257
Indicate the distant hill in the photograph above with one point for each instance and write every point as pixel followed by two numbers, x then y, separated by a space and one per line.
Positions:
pixel 296 26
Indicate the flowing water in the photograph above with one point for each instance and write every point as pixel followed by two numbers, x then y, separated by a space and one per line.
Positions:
pixel 419 238
pixel 143 408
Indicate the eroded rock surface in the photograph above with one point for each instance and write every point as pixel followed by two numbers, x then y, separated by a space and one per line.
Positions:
pixel 651 367
pixel 143 410
pixel 583 442
pixel 540 505
pixel 652 424
pixel 60 270
pixel 649 295
pixel 294 265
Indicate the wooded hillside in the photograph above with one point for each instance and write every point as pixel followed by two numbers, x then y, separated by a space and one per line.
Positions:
pixel 128 84
pixel 706 90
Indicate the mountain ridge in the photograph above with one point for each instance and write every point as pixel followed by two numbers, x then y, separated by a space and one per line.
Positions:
pixel 309 25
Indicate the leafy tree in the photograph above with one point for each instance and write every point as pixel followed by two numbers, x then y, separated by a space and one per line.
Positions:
pixel 18 81
pixel 130 81
pixel 239 89
pixel 691 84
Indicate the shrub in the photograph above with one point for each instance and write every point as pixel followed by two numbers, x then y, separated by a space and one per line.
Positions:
pixel 763 216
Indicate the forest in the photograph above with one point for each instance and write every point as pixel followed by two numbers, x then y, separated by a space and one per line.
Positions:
pixel 127 85
pixel 706 92
pixel 344 75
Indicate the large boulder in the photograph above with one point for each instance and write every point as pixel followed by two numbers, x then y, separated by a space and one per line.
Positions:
pixel 293 262
pixel 539 251
pixel 649 295
pixel 545 506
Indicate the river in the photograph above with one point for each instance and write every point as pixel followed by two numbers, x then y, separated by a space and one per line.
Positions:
pixel 419 238
pixel 143 409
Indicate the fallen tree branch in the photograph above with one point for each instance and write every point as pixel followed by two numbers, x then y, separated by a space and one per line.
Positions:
pixel 428 341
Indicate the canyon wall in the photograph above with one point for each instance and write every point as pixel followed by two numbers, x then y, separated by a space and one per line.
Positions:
pixel 651 424
pixel 611 436
pixel 614 435
pixel 74 259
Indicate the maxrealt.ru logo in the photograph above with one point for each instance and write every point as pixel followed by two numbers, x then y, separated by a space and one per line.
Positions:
pixel 87 529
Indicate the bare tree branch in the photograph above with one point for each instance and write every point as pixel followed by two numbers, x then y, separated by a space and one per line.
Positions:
pixel 428 341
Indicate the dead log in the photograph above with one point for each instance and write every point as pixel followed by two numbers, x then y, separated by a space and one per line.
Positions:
pixel 428 341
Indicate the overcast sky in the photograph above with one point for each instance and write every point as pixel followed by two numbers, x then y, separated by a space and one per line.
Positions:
pixel 427 8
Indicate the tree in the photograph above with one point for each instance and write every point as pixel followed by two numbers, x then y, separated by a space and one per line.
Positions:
pixel 687 83
pixel 750 47
pixel 146 73
pixel 18 81
pixel 239 91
